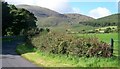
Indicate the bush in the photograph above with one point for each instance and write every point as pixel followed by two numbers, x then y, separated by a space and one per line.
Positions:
pixel 61 43
pixel 31 32
pixel 48 30
pixel 108 30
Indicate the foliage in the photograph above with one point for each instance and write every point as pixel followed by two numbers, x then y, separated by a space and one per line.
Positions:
pixel 34 32
pixel 61 43
pixel 24 48
pixel 48 30
pixel 15 20
pixel 108 30
pixel 106 37
pixel 58 60
pixel 111 20
pixel 6 17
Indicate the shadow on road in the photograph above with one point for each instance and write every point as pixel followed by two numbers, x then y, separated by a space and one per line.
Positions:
pixel 9 44
pixel 9 56
pixel 9 47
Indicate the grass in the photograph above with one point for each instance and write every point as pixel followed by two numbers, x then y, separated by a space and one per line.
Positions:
pixel 106 37
pixel 57 60
pixel 79 28
pixel 24 48
pixel 72 28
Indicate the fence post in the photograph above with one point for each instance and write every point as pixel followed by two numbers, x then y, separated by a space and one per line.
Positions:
pixel 112 44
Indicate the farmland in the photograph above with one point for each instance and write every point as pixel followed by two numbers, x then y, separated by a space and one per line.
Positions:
pixel 106 37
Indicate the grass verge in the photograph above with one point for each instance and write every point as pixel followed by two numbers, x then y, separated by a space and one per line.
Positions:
pixel 57 60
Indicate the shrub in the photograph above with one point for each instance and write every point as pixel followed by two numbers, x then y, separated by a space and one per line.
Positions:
pixel 108 30
pixel 48 30
pixel 31 32
pixel 61 43
pixel 41 29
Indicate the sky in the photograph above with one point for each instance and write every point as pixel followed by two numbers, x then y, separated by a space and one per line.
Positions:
pixel 92 8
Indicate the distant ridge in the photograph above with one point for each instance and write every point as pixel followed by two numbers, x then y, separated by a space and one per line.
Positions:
pixel 47 17
pixel 111 20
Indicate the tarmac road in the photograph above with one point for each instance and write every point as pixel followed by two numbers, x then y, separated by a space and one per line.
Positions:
pixel 10 58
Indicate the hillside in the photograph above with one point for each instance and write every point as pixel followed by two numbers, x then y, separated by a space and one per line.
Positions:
pixel 40 11
pixel 72 21
pixel 47 17
pixel 111 20
pixel 79 17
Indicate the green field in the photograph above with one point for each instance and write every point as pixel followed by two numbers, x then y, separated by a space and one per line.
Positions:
pixel 106 37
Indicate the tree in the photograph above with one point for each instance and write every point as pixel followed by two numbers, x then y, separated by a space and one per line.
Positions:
pixel 6 17
pixel 47 29
pixel 22 19
pixel 108 30
pixel 17 19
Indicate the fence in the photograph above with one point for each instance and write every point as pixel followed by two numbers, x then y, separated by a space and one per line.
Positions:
pixel 112 45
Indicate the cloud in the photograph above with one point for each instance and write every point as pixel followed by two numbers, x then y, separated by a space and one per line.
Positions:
pixel 16 2
pixel 61 6
pixel 76 10
pixel 99 12
pixel 57 5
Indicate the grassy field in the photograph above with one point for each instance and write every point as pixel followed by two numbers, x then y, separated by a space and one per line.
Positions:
pixel 106 37
pixel 72 28
pixel 57 60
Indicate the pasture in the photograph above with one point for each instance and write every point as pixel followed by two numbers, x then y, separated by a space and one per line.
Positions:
pixel 105 37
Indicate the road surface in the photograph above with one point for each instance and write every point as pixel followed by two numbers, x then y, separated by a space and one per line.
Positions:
pixel 10 58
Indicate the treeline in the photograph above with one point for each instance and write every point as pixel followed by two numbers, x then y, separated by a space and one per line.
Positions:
pixel 111 20
pixel 99 24
pixel 16 21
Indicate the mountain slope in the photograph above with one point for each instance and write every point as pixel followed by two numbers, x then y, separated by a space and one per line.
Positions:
pixel 47 17
pixel 40 11
pixel 79 17
pixel 111 20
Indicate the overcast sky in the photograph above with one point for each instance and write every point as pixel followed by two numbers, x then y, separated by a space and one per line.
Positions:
pixel 93 8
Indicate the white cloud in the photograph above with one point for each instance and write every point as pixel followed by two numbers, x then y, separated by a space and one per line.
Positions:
pixel 57 5
pixel 61 6
pixel 16 2
pixel 99 12
pixel 51 4
pixel 76 10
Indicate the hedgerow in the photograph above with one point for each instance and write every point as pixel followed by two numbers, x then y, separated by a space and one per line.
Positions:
pixel 62 43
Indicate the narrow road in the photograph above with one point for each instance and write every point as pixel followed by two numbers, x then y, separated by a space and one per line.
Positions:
pixel 10 58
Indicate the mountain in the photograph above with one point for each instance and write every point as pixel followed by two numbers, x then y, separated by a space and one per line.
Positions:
pixel 47 17
pixel 79 17
pixel 40 11
pixel 111 20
